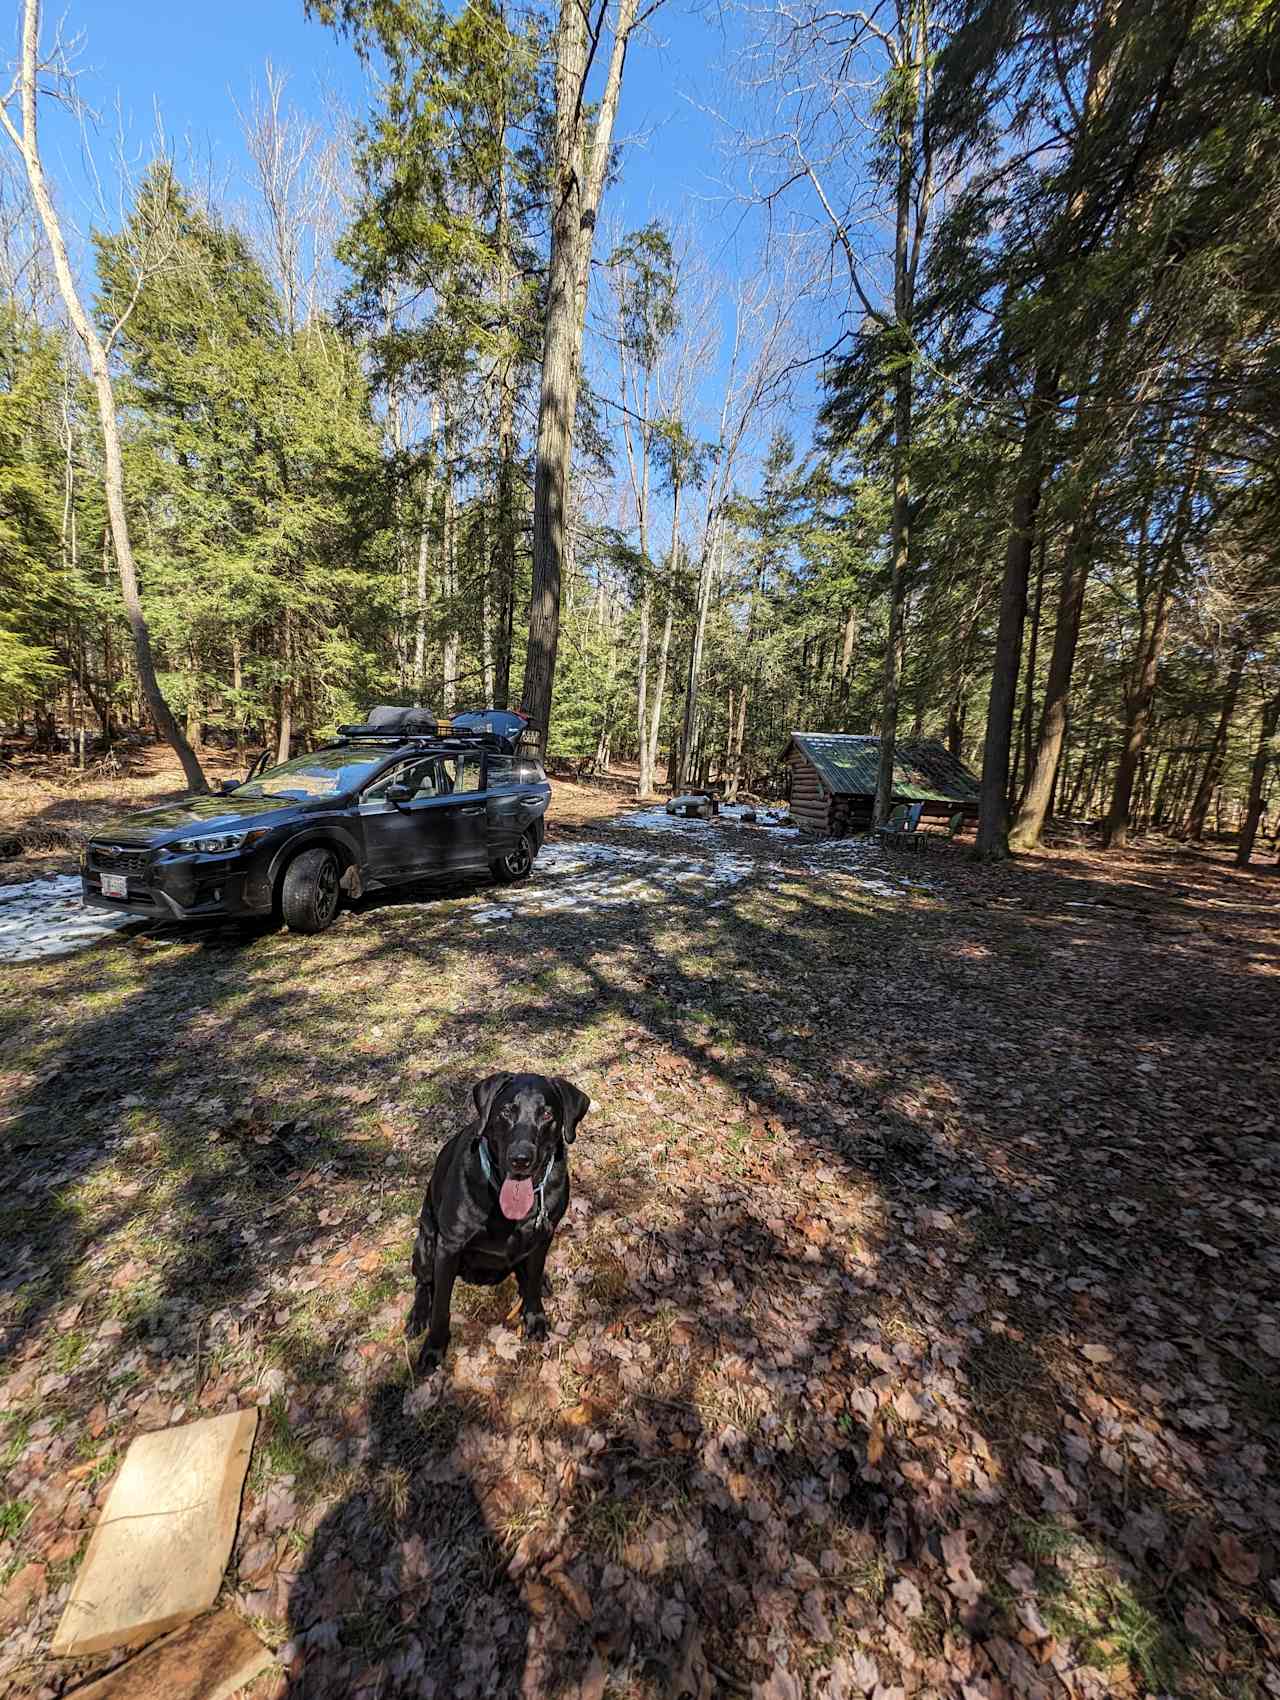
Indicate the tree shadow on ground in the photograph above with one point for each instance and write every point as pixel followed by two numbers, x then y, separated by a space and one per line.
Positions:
pixel 904 1173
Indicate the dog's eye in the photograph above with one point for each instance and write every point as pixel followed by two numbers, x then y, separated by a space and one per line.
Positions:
pixel 508 1112
pixel 544 1116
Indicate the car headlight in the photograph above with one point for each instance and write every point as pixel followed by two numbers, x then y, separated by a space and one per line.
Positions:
pixel 215 843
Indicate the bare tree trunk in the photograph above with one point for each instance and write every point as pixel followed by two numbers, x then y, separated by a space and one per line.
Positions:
pixel 644 787
pixel 27 143
pixel 237 685
pixel 737 738
pixel 486 615
pixel 195 716
pixel 1115 829
pixel 284 732
pixel 1263 756
pixel 449 649
pixel 504 541
pixel 900 522
pixel 420 609
pixel 1057 693
pixel 1023 748
pixel 846 651
pixel 660 685
pixel 993 819
pixel 579 164
pixel 706 576
pixel 1212 775
pixel 1159 812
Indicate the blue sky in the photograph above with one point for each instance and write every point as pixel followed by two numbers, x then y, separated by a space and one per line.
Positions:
pixel 187 67
pixel 190 65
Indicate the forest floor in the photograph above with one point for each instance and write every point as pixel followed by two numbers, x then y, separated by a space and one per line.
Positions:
pixel 914 1319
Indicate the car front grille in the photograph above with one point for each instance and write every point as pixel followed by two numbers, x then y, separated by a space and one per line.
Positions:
pixel 115 859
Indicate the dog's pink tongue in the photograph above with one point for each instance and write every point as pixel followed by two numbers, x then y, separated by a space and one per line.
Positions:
pixel 516 1199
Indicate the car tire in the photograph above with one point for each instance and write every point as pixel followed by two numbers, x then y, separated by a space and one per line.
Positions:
pixel 310 893
pixel 517 864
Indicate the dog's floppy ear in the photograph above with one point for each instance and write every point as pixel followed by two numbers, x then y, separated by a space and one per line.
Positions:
pixel 576 1104
pixel 484 1092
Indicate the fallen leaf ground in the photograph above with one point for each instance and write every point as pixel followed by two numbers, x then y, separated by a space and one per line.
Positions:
pixel 915 1318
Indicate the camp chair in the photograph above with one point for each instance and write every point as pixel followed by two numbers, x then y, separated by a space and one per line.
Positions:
pixel 903 827
pixel 893 826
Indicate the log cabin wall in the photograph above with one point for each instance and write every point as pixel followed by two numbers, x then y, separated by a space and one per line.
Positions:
pixel 810 799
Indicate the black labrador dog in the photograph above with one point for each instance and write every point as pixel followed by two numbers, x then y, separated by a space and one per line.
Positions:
pixel 497 1193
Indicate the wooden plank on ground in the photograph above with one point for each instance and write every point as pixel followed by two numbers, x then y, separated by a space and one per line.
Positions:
pixel 210 1659
pixel 156 1558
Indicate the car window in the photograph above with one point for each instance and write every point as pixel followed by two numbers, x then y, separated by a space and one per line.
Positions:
pixel 501 770
pixel 462 773
pixel 418 776
pixel 326 773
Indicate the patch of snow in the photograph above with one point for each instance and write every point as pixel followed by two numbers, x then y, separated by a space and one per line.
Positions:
pixel 585 876
pixel 47 917
pixel 658 820
pixel 579 878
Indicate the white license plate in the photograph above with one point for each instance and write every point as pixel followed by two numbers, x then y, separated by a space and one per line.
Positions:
pixel 115 885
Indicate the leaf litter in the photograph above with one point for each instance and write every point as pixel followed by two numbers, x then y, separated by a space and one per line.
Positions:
pixel 908 1336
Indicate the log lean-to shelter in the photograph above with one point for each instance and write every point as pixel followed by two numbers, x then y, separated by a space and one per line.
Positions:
pixel 832 779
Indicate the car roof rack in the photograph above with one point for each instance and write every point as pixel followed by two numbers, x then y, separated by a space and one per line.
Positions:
pixel 446 742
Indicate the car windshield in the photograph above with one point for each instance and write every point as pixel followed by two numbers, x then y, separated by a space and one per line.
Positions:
pixel 327 773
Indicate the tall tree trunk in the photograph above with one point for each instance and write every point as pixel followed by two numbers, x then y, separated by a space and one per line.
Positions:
pixel 659 688
pixel 1212 775
pixel 644 787
pixel 395 420
pixel 993 818
pixel 955 726
pixel 1263 756
pixel 706 577
pixel 737 738
pixel 449 566
pixel 900 522
pixel 1022 755
pixel 1160 809
pixel 429 475
pixel 195 714
pixel 420 609
pixel 27 143
pixel 1138 701
pixel 504 539
pixel 1057 692
pixel 486 616
pixel 846 651
pixel 237 686
pixel 284 729
pixel 577 182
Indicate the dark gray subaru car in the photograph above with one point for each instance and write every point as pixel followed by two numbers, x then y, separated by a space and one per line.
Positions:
pixel 381 806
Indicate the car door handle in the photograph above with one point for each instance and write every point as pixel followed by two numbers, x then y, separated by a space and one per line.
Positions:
pixel 477 809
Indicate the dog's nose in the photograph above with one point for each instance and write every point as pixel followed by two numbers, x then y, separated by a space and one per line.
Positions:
pixel 520 1160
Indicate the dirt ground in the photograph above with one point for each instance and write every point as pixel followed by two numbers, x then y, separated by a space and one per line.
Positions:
pixel 915 1322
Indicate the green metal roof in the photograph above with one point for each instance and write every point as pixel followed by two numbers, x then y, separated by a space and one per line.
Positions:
pixel 926 772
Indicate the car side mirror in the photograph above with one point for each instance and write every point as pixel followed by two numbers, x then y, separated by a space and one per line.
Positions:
pixel 398 795
pixel 227 786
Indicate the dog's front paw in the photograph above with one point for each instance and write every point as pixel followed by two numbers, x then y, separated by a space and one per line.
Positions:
pixel 535 1325
pixel 430 1358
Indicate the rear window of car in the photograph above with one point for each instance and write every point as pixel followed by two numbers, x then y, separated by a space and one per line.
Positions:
pixel 515 770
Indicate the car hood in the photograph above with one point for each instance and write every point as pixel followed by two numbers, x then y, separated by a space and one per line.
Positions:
pixel 193 814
